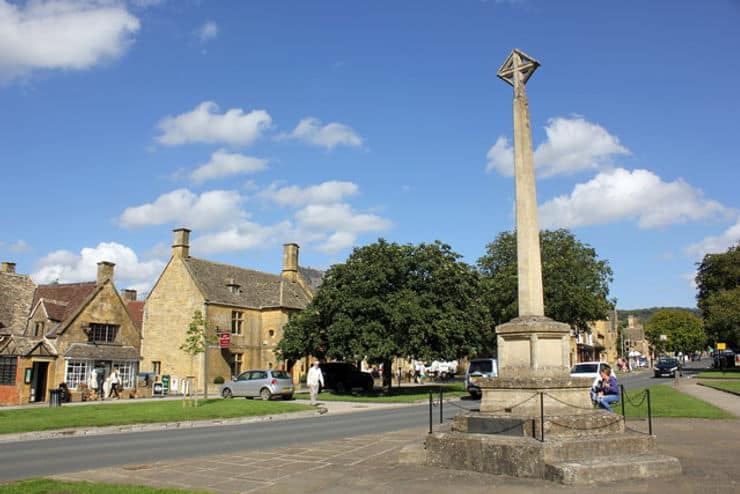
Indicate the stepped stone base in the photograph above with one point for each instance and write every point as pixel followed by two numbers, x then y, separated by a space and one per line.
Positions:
pixel 507 446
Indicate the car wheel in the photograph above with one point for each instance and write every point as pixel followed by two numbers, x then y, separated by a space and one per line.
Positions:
pixel 265 394
pixel 226 393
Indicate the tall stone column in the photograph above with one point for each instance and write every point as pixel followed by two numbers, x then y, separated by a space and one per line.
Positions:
pixel 532 349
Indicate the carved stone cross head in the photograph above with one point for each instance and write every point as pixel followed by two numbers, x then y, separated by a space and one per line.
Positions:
pixel 518 67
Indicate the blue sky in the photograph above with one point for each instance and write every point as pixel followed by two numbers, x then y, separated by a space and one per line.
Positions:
pixel 256 123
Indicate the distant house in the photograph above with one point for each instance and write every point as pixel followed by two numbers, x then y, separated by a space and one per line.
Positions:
pixel 600 344
pixel 71 329
pixel 247 308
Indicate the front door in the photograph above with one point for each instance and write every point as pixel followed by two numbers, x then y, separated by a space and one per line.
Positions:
pixel 38 381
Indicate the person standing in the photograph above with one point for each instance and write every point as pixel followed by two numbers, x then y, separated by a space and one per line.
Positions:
pixel 115 383
pixel 100 381
pixel 314 379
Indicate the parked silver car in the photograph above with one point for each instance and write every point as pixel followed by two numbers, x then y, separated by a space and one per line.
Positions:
pixel 259 383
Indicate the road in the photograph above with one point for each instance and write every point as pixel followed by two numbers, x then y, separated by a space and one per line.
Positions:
pixel 47 457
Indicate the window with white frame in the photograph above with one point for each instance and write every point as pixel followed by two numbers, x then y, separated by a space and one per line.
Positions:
pixel 75 373
pixel 127 372
pixel 236 364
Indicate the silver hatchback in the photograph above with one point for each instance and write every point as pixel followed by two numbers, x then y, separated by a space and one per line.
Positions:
pixel 259 383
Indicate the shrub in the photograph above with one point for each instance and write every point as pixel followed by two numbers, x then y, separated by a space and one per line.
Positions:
pixel 218 380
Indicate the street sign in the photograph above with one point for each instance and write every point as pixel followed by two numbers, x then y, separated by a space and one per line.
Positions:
pixel 224 340
pixel 721 346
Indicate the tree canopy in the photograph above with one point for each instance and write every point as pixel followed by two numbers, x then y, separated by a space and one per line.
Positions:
pixel 389 300
pixel 575 280
pixel 684 331
pixel 718 283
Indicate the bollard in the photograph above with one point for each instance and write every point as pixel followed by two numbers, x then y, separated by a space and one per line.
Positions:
pixel 430 411
pixel 650 413
pixel 441 420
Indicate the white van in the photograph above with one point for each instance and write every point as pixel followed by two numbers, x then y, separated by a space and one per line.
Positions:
pixel 479 368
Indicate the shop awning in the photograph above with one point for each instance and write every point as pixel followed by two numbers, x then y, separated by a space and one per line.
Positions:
pixel 83 351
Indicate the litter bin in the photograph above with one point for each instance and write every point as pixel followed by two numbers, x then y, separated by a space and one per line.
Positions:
pixel 165 384
pixel 55 398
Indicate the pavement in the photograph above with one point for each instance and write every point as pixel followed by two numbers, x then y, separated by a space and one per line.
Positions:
pixel 708 451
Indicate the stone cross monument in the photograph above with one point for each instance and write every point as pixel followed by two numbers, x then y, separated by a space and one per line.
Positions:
pixel 534 419
pixel 533 350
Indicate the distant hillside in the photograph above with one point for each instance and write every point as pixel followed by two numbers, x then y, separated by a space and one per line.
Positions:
pixel 643 315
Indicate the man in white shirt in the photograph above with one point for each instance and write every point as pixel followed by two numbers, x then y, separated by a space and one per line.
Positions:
pixel 314 379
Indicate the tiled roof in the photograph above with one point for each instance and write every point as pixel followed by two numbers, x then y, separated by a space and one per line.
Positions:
pixel 62 301
pixel 136 311
pixel 87 351
pixel 255 289
pixel 24 346
pixel 313 277
pixel 634 333
pixel 16 295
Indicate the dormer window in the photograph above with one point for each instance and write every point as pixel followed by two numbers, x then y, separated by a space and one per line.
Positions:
pixel 102 333
pixel 233 286
pixel 38 329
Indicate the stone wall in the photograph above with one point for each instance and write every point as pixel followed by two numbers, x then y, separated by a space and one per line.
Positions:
pixel 168 311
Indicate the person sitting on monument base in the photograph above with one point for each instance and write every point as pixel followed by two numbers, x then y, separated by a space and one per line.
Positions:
pixel 609 389
pixel 597 385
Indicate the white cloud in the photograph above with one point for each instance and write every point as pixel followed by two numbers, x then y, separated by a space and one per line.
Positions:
pixel 327 192
pixel 718 244
pixel 19 246
pixel 66 267
pixel 572 145
pixel 224 164
pixel 62 34
pixel 343 223
pixel 619 195
pixel 146 3
pixel 246 235
pixel 309 130
pixel 338 241
pixel 208 210
pixel 207 31
pixel 205 124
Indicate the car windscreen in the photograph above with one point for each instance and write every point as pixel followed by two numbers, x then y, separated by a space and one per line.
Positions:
pixel 280 375
pixel 585 369
pixel 668 362
pixel 482 366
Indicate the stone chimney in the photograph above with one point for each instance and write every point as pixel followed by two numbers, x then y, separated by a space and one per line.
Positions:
pixel 631 322
pixel 290 261
pixel 8 267
pixel 181 245
pixel 105 272
pixel 129 295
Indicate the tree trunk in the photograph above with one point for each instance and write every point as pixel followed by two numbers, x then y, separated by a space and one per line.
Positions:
pixel 387 375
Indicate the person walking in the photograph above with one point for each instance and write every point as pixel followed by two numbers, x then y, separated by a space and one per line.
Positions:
pixel 314 379
pixel 115 383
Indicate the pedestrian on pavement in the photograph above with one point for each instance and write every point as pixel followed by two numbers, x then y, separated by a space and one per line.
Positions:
pixel 115 383
pixel 100 381
pixel 315 379
pixel 609 389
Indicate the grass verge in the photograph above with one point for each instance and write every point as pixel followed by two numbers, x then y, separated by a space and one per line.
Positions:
pixel 731 386
pixel 45 419
pixel 715 374
pixel 667 402
pixel 408 394
pixel 43 486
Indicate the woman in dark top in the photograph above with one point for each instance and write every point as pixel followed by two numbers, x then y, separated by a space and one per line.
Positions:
pixel 609 390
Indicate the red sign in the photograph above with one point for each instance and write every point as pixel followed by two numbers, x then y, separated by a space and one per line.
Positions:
pixel 224 339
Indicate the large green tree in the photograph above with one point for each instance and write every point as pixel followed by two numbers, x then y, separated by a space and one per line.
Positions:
pixel 575 280
pixel 389 300
pixel 718 282
pixel 684 331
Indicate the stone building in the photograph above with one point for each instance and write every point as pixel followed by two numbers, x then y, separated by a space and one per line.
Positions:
pixel 16 296
pixel 600 344
pixel 636 346
pixel 247 308
pixel 71 329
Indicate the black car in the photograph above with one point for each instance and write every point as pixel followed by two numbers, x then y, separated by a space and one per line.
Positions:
pixel 667 366
pixel 343 377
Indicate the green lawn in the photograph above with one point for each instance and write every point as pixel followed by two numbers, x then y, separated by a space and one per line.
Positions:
pixel 43 486
pixel 733 386
pixel 408 394
pixel 715 374
pixel 667 402
pixel 42 419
